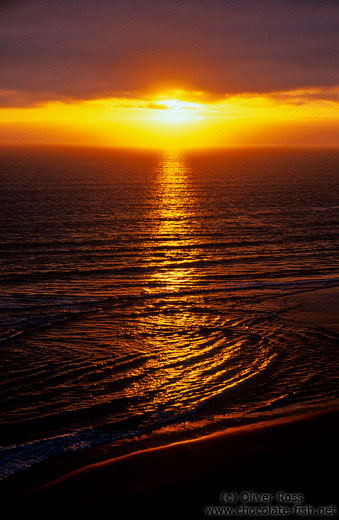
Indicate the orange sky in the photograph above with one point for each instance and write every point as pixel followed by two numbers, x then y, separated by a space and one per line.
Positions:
pixel 180 119
pixel 169 73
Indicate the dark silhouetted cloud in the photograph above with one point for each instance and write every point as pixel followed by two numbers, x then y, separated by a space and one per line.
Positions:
pixel 80 49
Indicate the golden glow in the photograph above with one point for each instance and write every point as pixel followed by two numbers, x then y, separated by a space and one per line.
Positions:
pixel 172 221
pixel 178 119
pixel 189 357
pixel 179 111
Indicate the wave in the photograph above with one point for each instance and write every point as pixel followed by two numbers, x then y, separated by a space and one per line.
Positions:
pixel 16 458
pixel 77 308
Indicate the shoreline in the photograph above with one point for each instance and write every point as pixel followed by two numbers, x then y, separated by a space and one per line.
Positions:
pixel 294 453
pixel 96 477
pixel 58 465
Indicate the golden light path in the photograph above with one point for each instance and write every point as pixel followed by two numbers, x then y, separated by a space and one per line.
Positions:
pixel 173 221
pixel 179 119
pixel 185 367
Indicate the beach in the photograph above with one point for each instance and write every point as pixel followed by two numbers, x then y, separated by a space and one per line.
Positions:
pixel 293 455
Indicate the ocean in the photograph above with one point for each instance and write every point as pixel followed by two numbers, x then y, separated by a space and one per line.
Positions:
pixel 143 294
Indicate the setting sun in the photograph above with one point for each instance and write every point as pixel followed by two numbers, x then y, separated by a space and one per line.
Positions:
pixel 174 111
pixel 180 119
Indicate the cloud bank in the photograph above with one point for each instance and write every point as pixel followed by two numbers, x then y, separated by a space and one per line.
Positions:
pixel 83 49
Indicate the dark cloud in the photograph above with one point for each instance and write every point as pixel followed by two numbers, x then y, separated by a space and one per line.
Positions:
pixel 79 49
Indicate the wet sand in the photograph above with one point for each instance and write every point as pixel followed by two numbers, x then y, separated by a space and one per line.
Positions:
pixel 295 454
pixel 320 307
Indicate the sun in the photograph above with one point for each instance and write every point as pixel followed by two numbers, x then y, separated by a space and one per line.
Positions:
pixel 174 111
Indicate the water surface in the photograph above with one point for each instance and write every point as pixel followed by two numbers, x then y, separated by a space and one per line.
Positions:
pixel 143 290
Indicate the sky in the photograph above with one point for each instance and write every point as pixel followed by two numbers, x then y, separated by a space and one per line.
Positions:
pixel 163 72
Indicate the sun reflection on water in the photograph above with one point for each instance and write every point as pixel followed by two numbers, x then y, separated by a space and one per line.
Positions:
pixel 175 204
pixel 192 355
pixel 174 218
